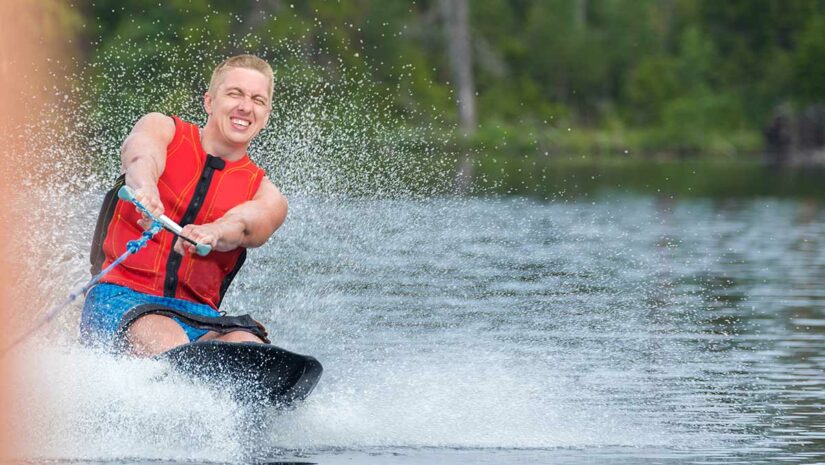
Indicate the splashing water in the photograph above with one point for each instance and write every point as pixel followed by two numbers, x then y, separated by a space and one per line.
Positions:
pixel 330 136
pixel 443 322
pixel 440 348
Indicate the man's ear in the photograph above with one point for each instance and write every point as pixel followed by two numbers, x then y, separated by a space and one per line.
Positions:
pixel 207 103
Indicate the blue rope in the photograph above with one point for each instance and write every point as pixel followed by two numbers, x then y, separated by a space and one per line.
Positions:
pixel 132 247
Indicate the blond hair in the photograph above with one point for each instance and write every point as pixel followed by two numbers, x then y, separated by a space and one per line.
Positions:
pixel 243 61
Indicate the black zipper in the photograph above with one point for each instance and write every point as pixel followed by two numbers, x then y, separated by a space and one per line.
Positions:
pixel 170 284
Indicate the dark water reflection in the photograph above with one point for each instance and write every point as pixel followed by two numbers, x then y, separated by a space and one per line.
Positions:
pixel 764 291
pixel 575 176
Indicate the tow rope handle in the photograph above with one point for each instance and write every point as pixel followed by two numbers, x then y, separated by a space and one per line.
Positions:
pixel 126 193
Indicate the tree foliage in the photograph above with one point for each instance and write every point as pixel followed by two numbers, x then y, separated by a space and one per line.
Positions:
pixel 681 69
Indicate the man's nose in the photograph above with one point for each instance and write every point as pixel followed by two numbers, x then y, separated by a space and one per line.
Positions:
pixel 245 105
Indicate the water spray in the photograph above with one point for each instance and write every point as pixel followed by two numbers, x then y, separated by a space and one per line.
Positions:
pixel 132 247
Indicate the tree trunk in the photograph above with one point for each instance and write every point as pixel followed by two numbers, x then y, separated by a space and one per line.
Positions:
pixel 259 11
pixel 456 25
pixel 256 15
pixel 458 45
pixel 580 14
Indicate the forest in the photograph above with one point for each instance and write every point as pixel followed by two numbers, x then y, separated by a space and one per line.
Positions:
pixel 740 79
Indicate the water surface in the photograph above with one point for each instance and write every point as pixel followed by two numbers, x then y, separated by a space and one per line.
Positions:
pixel 618 329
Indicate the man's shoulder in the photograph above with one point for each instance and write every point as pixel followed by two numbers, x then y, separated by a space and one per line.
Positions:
pixel 158 123
pixel 158 118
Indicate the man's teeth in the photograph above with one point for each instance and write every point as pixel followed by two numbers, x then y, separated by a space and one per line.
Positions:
pixel 240 122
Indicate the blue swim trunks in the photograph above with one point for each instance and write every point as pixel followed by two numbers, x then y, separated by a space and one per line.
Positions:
pixel 107 303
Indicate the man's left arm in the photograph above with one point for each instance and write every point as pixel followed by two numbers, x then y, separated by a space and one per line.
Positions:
pixel 249 224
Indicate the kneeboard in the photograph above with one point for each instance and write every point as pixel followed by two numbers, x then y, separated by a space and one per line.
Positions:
pixel 252 372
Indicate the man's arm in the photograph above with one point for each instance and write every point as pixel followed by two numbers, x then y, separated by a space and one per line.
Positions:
pixel 249 224
pixel 143 156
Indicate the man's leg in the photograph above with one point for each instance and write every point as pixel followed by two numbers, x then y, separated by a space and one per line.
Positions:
pixel 234 336
pixel 154 334
pixel 239 336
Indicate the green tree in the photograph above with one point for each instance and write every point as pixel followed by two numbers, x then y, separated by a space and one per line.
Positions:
pixel 809 61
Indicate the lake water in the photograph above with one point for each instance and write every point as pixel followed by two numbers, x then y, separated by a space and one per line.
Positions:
pixel 613 329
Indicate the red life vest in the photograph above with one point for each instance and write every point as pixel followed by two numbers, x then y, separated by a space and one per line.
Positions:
pixel 195 188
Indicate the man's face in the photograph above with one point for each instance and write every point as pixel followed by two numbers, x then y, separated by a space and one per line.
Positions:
pixel 239 105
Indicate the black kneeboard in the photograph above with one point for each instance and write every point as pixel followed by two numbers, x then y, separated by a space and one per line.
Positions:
pixel 253 373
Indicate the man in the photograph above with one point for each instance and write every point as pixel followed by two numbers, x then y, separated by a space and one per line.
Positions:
pixel 202 178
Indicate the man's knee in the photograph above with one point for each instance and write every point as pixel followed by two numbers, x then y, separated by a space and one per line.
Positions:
pixel 154 334
pixel 239 336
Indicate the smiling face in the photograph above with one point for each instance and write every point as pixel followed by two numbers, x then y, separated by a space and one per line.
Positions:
pixel 238 107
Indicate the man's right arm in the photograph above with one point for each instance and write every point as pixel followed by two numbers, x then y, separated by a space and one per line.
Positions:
pixel 143 156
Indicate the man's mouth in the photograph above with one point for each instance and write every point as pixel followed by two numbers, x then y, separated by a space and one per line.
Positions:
pixel 240 122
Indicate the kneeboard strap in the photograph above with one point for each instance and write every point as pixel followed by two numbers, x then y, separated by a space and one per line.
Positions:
pixel 221 324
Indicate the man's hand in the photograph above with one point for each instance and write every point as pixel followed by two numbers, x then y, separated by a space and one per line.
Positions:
pixel 149 197
pixel 208 234
pixel 246 225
